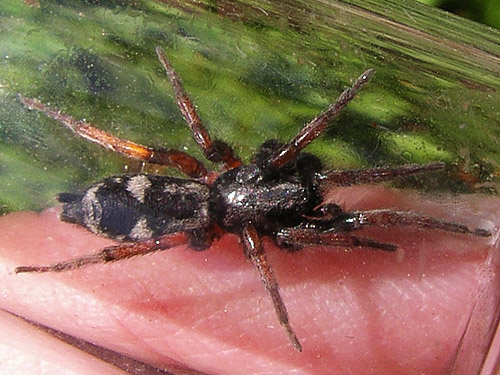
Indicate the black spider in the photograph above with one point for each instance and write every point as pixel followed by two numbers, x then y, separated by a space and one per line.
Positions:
pixel 280 195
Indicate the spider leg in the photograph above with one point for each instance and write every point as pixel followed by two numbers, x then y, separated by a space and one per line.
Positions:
pixel 299 237
pixel 215 151
pixel 332 232
pixel 330 179
pixel 317 126
pixel 112 254
pixel 185 163
pixel 384 217
pixel 255 252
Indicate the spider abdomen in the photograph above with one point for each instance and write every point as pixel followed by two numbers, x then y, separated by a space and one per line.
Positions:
pixel 139 207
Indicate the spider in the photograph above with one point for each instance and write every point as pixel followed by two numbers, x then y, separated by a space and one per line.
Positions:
pixel 280 195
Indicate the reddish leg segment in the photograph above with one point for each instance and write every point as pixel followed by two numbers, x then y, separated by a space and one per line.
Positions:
pixel 386 217
pixel 318 125
pixel 337 228
pixel 255 252
pixel 112 254
pixel 169 157
pixel 215 151
pixel 300 237
pixel 331 179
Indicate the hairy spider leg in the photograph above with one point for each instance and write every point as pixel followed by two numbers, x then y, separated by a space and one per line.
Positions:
pixel 330 179
pixel 335 234
pixel 215 151
pixel 317 126
pixel 180 160
pixel 112 254
pixel 386 217
pixel 255 252
pixel 299 237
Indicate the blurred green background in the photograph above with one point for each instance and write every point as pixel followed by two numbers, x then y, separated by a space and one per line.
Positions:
pixel 483 11
pixel 256 70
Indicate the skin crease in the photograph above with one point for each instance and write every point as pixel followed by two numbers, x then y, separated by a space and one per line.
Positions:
pixel 360 311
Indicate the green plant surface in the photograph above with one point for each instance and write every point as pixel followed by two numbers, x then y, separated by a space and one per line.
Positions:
pixel 256 70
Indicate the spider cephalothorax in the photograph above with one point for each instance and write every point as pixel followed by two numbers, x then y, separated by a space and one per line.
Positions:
pixel 280 195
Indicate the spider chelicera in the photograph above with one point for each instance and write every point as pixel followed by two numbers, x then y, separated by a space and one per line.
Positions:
pixel 280 195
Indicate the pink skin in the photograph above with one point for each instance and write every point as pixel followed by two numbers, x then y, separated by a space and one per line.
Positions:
pixel 424 309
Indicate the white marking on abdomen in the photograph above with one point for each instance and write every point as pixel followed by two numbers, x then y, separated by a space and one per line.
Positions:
pixel 137 186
